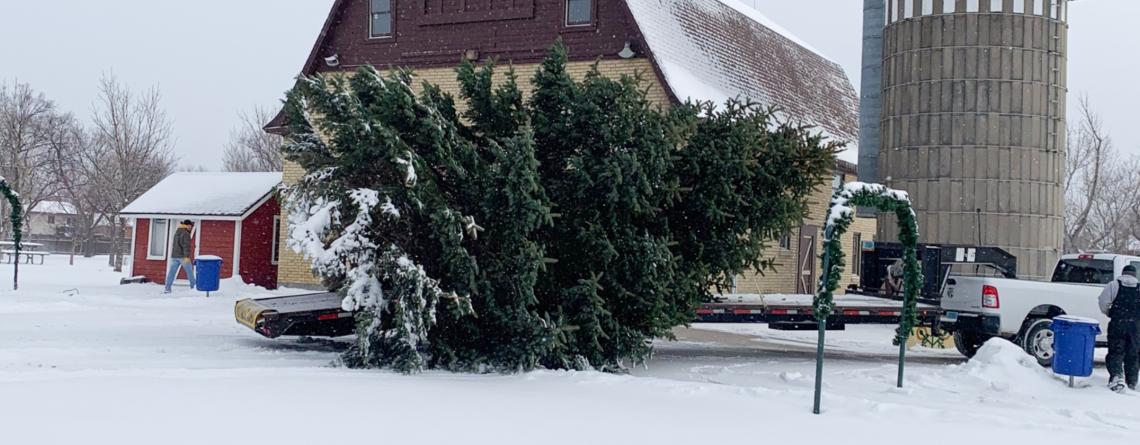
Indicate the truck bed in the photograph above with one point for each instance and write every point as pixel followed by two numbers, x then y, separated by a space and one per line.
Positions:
pixel 317 314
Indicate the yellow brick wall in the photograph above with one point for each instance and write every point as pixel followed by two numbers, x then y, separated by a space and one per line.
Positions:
pixel 293 269
pixel 783 279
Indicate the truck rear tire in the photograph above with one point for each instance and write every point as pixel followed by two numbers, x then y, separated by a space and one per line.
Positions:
pixel 1037 340
pixel 968 343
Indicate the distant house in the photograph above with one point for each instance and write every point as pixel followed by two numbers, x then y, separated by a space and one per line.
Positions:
pixel 236 217
pixel 51 218
pixel 683 49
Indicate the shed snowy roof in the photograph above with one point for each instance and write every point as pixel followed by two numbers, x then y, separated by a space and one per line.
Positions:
pixel 205 194
pixel 53 208
pixel 719 49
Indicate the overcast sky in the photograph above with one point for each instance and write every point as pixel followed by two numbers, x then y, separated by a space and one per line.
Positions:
pixel 214 58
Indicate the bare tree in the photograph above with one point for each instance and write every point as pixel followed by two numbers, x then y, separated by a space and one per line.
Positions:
pixel 1089 151
pixel 133 141
pixel 1111 220
pixel 250 148
pixel 75 165
pixel 26 128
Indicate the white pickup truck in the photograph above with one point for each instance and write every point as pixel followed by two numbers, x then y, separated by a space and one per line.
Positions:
pixel 977 308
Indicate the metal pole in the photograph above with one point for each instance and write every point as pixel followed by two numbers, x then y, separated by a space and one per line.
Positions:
pixel 819 366
pixel 16 266
pixel 826 272
pixel 902 357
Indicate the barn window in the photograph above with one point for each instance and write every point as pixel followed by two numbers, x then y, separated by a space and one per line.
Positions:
pixel 51 219
pixel 275 253
pixel 579 12
pixel 157 240
pixel 381 22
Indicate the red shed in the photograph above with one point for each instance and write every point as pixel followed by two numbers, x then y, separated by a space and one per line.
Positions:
pixel 236 217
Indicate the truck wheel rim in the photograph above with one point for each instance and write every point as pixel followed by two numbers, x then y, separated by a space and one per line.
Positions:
pixel 1043 344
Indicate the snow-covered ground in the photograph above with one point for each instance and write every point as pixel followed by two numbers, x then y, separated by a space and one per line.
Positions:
pixel 84 360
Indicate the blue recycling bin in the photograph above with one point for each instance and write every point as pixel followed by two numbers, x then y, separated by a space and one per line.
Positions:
pixel 208 273
pixel 1074 339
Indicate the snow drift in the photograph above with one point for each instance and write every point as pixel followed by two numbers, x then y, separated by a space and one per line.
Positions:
pixel 1003 367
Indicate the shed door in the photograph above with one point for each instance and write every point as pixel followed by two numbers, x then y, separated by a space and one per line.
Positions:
pixel 805 278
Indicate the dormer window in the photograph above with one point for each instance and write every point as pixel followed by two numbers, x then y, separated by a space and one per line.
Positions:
pixel 579 12
pixel 381 21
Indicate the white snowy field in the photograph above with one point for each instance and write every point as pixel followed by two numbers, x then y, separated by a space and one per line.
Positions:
pixel 84 360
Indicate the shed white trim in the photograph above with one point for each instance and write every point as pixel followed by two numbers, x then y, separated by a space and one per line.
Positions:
pixel 134 241
pixel 260 202
pixel 180 217
pixel 274 258
pixel 197 234
pixel 237 250
pixel 151 238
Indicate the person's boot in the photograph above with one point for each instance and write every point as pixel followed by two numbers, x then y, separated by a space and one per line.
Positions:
pixel 1116 385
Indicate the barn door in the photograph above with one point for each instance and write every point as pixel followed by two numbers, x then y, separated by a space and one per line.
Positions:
pixel 805 276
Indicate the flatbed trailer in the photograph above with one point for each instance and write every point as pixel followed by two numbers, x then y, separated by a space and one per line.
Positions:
pixel 795 311
pixel 320 314
pixel 317 314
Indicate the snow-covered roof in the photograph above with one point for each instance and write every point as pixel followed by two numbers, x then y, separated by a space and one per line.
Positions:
pixel 54 208
pixel 719 49
pixel 205 194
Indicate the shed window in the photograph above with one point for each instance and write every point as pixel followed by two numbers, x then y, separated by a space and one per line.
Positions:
pixel 579 12
pixel 381 19
pixel 275 255
pixel 159 236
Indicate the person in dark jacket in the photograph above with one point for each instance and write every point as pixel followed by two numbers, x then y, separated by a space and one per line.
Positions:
pixel 1120 300
pixel 180 256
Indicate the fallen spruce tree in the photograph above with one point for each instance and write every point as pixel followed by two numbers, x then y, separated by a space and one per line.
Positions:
pixel 565 230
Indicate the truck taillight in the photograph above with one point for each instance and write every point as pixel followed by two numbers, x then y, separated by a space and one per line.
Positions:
pixel 1085 256
pixel 990 297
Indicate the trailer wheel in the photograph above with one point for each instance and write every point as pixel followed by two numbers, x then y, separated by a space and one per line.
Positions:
pixel 1037 340
pixel 968 343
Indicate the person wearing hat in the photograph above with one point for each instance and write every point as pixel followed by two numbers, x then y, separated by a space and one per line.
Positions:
pixel 180 255
pixel 1120 301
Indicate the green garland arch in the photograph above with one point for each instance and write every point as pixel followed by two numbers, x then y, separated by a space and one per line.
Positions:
pixel 17 219
pixel 840 215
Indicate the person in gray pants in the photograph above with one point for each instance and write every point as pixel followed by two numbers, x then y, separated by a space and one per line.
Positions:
pixel 180 256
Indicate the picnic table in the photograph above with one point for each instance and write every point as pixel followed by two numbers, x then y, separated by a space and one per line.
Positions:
pixel 29 252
